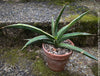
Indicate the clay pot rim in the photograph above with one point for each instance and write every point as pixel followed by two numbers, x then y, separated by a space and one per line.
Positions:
pixel 59 55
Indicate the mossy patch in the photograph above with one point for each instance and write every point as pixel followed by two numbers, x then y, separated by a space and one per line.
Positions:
pixel 58 2
pixel 89 24
pixel 33 60
pixel 13 55
pixel 86 18
pixel 94 69
pixel 9 56
pixel 40 69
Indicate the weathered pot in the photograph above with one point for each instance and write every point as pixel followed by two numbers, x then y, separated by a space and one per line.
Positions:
pixel 57 62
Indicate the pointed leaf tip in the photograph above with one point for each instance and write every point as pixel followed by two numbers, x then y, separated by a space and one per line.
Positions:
pixel 58 19
pixel 65 28
pixel 23 48
pixel 74 48
pixel 26 39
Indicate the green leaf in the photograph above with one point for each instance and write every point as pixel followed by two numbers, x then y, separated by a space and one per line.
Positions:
pixel 38 38
pixel 57 20
pixel 74 48
pixel 48 42
pixel 27 39
pixel 66 36
pixel 29 27
pixel 53 32
pixel 65 28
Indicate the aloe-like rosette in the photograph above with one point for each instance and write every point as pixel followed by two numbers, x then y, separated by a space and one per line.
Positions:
pixel 58 36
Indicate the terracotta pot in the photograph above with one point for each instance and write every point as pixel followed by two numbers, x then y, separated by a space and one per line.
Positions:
pixel 57 62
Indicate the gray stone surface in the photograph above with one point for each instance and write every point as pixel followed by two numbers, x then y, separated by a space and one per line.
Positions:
pixel 82 64
pixel 78 65
pixel 12 0
pixel 41 13
pixel 27 12
pixel 7 69
pixel 35 12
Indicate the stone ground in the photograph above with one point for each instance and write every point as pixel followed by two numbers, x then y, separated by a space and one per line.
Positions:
pixel 34 12
pixel 16 63
pixel 26 12
pixel 30 63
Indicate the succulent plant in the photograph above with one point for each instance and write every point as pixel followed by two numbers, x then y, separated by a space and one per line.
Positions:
pixel 58 36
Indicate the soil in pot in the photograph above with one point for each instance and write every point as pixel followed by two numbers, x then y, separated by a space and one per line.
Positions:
pixel 57 51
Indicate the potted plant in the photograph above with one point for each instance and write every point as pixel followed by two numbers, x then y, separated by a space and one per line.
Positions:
pixel 57 47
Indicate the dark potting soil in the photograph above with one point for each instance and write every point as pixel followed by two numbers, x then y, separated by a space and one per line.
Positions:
pixel 57 51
